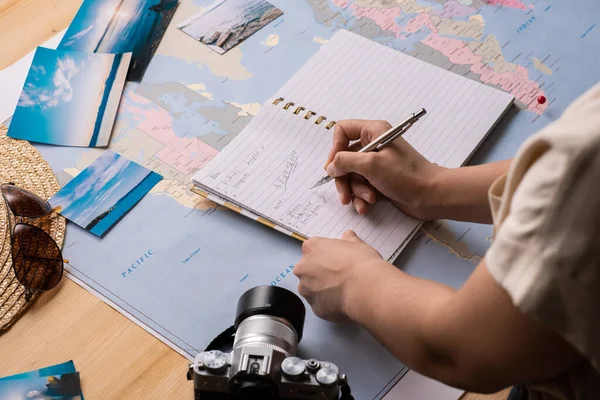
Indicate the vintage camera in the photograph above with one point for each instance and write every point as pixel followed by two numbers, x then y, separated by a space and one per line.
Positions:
pixel 262 363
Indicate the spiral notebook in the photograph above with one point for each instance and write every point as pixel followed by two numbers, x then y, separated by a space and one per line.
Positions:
pixel 266 172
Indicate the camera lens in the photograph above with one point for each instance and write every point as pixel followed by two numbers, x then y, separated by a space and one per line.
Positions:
pixel 269 317
pixel 274 301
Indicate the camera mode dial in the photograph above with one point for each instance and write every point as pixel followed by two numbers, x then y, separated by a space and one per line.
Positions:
pixel 293 368
pixel 215 361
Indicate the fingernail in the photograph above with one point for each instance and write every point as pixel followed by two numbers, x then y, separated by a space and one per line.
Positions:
pixel 331 170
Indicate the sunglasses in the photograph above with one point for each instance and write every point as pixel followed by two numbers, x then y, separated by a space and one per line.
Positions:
pixel 37 259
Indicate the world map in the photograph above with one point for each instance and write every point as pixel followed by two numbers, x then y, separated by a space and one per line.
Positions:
pixel 177 263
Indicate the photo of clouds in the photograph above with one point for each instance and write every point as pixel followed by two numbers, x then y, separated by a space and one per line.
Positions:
pixel 120 26
pixel 100 195
pixel 226 23
pixel 55 387
pixel 70 98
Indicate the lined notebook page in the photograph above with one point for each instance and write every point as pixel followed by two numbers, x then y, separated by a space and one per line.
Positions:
pixel 270 167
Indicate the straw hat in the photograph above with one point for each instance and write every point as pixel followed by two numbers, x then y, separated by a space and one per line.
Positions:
pixel 21 164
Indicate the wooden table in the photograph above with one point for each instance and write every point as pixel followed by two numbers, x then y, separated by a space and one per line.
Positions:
pixel 117 359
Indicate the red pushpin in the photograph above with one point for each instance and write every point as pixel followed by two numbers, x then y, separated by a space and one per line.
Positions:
pixel 542 99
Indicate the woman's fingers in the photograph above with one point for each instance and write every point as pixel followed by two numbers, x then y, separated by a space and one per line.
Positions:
pixel 350 130
pixel 362 189
pixel 361 206
pixel 344 191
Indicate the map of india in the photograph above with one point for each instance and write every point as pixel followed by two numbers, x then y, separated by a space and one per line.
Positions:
pixel 177 263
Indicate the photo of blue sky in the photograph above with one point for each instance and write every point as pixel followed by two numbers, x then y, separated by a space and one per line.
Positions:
pixel 70 98
pixel 120 26
pixel 65 386
pixel 100 195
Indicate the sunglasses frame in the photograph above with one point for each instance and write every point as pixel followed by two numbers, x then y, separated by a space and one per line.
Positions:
pixel 29 291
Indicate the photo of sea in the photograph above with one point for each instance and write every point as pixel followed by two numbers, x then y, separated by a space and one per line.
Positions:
pixel 120 26
pixel 226 23
pixel 56 387
pixel 70 98
pixel 100 195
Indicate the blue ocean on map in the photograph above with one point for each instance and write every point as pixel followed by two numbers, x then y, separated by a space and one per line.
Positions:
pixel 120 26
pixel 70 98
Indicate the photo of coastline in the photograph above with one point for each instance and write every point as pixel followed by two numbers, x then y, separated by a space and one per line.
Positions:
pixel 100 195
pixel 120 26
pixel 226 23
pixel 70 98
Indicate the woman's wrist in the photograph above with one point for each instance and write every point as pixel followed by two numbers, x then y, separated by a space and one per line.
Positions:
pixel 362 290
pixel 460 193
pixel 429 201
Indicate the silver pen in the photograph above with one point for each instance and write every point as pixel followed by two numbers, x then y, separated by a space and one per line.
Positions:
pixel 383 140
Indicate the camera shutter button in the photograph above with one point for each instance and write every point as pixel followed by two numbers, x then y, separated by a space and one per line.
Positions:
pixel 313 365
pixel 293 368
pixel 215 361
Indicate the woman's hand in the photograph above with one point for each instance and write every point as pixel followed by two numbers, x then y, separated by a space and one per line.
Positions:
pixel 331 272
pixel 397 171
pixel 414 184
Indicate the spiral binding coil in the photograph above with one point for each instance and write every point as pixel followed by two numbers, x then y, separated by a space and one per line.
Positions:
pixel 307 116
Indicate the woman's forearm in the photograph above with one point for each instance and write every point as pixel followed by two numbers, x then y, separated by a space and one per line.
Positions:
pixel 461 194
pixel 397 308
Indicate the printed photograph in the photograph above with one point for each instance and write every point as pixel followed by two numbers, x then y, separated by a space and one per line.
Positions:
pixel 226 23
pixel 100 195
pixel 120 26
pixel 70 98
pixel 57 387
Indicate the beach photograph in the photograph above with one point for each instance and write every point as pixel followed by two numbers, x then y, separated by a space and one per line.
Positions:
pixel 100 195
pixel 70 98
pixel 120 26
pixel 226 23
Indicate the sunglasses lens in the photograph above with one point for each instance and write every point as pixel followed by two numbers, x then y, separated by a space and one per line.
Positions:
pixel 24 203
pixel 37 259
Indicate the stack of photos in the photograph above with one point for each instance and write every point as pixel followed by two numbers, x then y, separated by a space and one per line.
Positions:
pixel 72 94
pixel 60 382
pixel 120 26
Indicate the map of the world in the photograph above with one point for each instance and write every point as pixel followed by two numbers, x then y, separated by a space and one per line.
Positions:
pixel 177 263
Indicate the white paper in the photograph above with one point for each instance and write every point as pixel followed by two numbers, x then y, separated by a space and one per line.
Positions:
pixel 270 167
pixel 12 79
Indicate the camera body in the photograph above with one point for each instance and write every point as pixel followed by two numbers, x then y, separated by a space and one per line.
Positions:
pixel 262 363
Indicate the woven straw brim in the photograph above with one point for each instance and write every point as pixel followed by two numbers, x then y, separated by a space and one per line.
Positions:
pixel 22 165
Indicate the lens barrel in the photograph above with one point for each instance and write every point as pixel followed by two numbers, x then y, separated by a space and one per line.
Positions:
pixel 274 301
